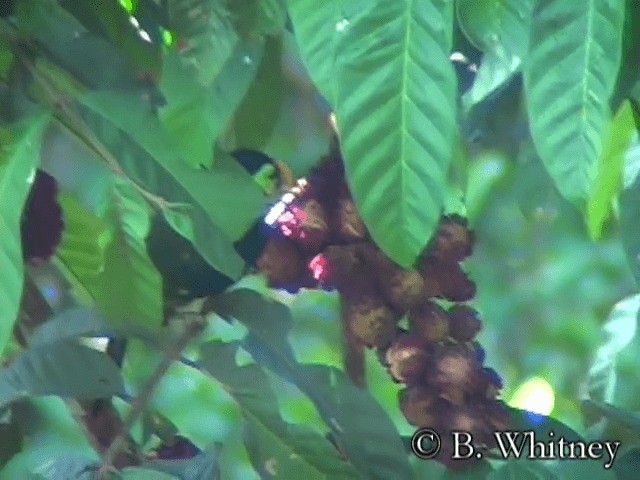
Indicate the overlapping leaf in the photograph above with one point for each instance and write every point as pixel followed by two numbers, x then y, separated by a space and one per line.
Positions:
pixel 574 55
pixel 227 194
pixel 290 450
pixel 630 209
pixel 206 35
pixel 395 105
pixel 500 28
pixel 64 368
pixel 195 114
pixel 18 160
pixel 373 448
pixel 608 182
pixel 617 332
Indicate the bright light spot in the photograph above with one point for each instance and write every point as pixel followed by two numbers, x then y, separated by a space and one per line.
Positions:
pixel 288 197
pixel 534 395
pixel 31 178
pixel 134 21
pixel 98 343
pixel 247 60
pixel 318 266
pixel 458 57
pixel 144 36
pixel 167 38
pixel 275 212
pixel 127 4
pixel 342 25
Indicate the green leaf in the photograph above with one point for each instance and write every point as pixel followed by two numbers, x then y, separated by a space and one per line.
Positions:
pixel 316 34
pixel 50 432
pixel 396 138
pixel 274 445
pixel 272 16
pixel 630 209
pixel 617 333
pixel 66 369
pixel 574 55
pixel 195 114
pixel 66 467
pixel 203 466
pixel 628 420
pixel 110 19
pixel 84 239
pixel 500 28
pixel 523 470
pixel 227 194
pixel 139 298
pixel 608 182
pixel 206 35
pixel 626 468
pixel 138 473
pixel 18 161
pixel 374 448
pixel 68 324
pixel 255 118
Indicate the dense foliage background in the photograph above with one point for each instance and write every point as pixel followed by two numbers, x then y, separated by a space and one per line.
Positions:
pixel 521 115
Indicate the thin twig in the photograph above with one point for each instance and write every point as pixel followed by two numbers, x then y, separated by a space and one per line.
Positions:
pixel 140 402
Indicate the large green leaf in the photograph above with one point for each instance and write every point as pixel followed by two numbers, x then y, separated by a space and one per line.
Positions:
pixel 227 194
pixel 18 160
pixel 570 73
pixel 139 298
pixel 206 35
pixel 608 182
pixel 110 19
pixel 395 107
pixel 65 368
pixel 617 332
pixel 316 32
pixel 500 28
pixel 274 445
pixel 84 240
pixel 51 433
pixel 196 114
pixel 256 116
pixel 373 448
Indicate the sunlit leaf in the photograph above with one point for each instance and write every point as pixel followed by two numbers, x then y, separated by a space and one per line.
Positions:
pixel 617 332
pixel 18 160
pixel 630 209
pixel 84 239
pixel 608 182
pixel 574 55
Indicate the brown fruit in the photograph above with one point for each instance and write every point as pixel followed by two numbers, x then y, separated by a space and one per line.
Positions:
pixel 314 230
pixel 407 358
pixel 371 321
pixel 453 241
pixel 455 372
pixel 282 263
pixel 402 289
pixel 429 321
pixel 349 226
pixel 348 271
pixel 453 283
pixel 465 323
pixel 421 406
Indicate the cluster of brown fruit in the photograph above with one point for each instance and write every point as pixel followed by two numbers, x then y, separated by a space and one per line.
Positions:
pixel 325 243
